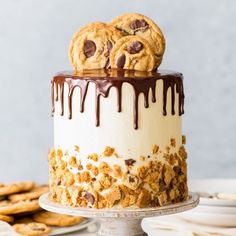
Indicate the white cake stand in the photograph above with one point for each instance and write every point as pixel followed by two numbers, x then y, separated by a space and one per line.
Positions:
pixel 120 222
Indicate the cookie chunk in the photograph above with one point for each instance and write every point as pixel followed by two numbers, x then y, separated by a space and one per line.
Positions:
pixel 54 219
pixel 133 53
pixel 16 188
pixel 33 194
pixel 9 208
pixel 32 229
pixel 8 219
pixel 90 47
pixel 137 24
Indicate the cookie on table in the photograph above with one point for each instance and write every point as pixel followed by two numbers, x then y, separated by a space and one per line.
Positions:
pixel 10 208
pixel 90 47
pixel 16 187
pixel 54 219
pixel 23 220
pixel 133 53
pixel 32 194
pixel 32 229
pixel 138 24
pixel 8 219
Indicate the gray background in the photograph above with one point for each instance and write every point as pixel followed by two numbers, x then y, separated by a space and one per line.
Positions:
pixel 34 39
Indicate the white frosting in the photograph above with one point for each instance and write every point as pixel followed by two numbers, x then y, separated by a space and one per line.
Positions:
pixel 116 129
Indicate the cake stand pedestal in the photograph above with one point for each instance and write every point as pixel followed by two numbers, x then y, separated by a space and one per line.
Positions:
pixel 120 222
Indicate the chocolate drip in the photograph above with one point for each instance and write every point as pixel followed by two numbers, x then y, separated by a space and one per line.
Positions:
pixel 172 82
pixel 104 80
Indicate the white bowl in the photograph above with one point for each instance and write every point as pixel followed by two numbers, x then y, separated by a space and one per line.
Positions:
pixel 212 186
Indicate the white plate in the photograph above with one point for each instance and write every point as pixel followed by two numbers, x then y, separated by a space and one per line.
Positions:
pixel 213 186
pixel 173 225
pixel 64 230
pixel 215 209
pixel 221 220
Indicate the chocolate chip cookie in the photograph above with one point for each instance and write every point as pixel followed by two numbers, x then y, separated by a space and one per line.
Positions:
pixel 32 194
pixel 54 219
pixel 8 219
pixel 90 47
pixel 10 208
pixel 133 53
pixel 32 229
pixel 16 188
pixel 138 24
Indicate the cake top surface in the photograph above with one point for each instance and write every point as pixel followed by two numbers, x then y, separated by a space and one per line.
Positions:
pixel 118 74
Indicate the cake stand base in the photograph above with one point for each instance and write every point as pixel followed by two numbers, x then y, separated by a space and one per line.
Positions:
pixel 117 222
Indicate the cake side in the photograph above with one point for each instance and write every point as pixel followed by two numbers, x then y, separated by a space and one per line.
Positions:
pixel 123 148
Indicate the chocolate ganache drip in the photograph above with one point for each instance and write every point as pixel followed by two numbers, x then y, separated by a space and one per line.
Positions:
pixel 142 82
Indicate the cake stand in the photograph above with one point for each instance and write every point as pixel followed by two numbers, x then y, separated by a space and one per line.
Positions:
pixel 120 222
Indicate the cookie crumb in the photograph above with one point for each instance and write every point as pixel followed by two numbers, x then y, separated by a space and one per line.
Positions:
pixel 108 151
pixel 155 149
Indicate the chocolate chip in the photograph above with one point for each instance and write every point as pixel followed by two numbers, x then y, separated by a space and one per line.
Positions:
pixel 131 179
pixel 129 162
pixel 93 179
pixel 90 198
pixel 109 45
pixel 162 185
pixel 121 61
pixel 138 25
pixel 37 228
pixel 178 170
pixel 135 47
pixel 89 48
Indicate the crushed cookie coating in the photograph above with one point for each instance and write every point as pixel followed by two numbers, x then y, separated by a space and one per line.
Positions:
pixel 52 157
pixel 128 200
pixel 68 178
pixel 132 181
pixel 142 171
pixel 183 154
pixel 113 196
pixel 142 158
pixel 155 149
pixel 74 193
pixel 117 171
pixel 104 168
pixel 106 181
pixel 85 176
pixel 97 186
pixel 170 158
pixel 168 149
pixel 173 142
pixel 150 183
pixel 152 177
pixel 108 151
pixel 162 198
pixel 93 156
pixel 59 153
pixel 92 168
pixel 73 162
pixel 183 139
pixel 169 174
pixel 126 190
pixel 77 149
pixel 177 170
pixel 144 199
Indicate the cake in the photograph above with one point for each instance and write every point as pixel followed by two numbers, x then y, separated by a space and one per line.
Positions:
pixel 118 138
